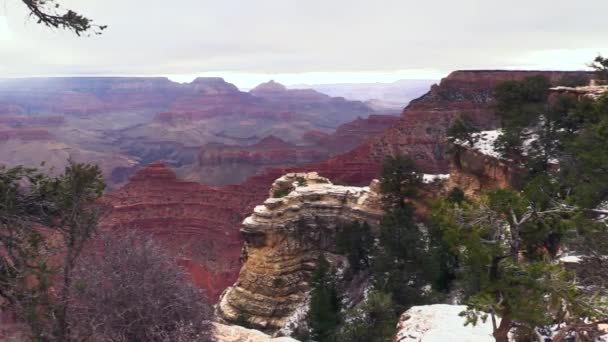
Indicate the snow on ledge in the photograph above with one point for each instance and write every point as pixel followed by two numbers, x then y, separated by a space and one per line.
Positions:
pixel 484 142
pixel 571 259
pixel 440 322
pixel 430 178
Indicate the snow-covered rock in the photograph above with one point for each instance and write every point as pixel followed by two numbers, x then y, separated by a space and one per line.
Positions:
pixel 430 178
pixel 235 333
pixel 440 322
pixel 484 142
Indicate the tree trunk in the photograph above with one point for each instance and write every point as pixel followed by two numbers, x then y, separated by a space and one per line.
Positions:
pixel 64 297
pixel 502 333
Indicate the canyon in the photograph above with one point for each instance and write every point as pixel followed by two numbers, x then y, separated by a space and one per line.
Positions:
pixel 419 133
pixel 138 120
pixel 208 201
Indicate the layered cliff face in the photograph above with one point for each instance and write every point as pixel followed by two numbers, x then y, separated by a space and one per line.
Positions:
pixel 421 130
pixel 220 164
pixel 196 222
pixel 283 239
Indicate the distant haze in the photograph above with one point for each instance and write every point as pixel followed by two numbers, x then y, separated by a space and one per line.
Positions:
pixel 312 42
pixel 382 96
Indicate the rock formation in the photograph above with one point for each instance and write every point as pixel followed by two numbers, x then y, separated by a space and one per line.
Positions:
pixel 473 171
pixel 283 239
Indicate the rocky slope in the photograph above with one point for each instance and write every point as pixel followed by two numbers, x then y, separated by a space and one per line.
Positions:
pixel 283 239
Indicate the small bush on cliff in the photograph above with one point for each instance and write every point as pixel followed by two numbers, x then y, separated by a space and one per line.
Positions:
pixel 129 289
pixel 279 193
pixel 463 129
pixel 456 195
pixel 324 311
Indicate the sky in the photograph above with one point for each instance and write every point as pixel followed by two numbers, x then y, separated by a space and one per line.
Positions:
pixel 306 41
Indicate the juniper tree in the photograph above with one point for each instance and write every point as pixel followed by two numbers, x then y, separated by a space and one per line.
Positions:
pixel 45 224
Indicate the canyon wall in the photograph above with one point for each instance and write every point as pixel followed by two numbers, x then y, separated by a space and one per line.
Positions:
pixel 220 164
pixel 421 130
pixel 283 239
pixel 196 222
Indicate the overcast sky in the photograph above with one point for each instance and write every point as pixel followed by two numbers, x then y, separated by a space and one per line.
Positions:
pixel 306 41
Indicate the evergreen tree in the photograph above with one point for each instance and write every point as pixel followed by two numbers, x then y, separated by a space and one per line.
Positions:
pixel 402 261
pixel 355 240
pixel 503 243
pixel 399 180
pixel 373 320
pixel 324 311
pixel 519 105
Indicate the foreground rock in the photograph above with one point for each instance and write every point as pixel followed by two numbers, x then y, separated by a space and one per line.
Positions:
pixel 440 322
pixel 235 333
pixel 283 239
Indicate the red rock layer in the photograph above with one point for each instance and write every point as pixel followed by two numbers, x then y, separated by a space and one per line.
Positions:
pixel 196 222
pixel 26 134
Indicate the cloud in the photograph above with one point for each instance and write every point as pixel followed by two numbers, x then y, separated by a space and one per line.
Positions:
pixel 307 37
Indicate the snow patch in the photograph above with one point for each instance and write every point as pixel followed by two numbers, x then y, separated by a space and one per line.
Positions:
pixel 429 178
pixel 484 142
pixel 440 322
pixel 571 259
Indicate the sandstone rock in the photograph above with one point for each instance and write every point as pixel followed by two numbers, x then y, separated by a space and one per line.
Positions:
pixel 283 238
pixel 440 322
pixel 474 172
